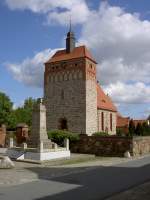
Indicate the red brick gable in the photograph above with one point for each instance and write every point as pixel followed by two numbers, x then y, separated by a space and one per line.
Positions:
pixel 104 101
pixel 78 52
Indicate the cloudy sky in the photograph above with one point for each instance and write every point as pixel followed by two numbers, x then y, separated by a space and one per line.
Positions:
pixel 116 31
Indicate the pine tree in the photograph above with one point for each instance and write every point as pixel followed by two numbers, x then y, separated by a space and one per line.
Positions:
pixel 131 127
pixel 139 129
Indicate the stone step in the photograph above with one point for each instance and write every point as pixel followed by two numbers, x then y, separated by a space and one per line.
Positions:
pixel 73 158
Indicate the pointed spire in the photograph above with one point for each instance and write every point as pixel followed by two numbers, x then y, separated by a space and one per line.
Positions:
pixel 70 40
pixel 70 29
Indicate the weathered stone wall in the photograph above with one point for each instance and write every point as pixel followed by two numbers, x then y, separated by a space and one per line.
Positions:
pixel 107 127
pixel 65 96
pixel 91 98
pixel 112 145
pixel 141 145
pixel 70 93
pixel 2 135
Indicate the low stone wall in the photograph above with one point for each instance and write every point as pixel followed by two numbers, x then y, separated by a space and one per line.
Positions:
pixel 141 145
pixel 111 145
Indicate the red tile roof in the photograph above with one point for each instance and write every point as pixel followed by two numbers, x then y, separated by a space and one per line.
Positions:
pixel 104 101
pixel 78 52
pixel 122 121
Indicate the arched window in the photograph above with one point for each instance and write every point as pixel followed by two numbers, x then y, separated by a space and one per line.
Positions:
pixel 111 121
pixel 63 125
pixel 102 121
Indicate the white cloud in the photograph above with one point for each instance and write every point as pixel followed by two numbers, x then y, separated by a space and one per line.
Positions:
pixel 56 11
pixel 147 114
pixel 129 93
pixel 120 42
pixel 30 71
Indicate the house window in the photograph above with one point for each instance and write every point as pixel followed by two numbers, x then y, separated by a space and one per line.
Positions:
pixel 111 121
pixel 102 121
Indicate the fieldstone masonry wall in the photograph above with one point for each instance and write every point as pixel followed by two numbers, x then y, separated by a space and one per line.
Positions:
pixel 141 145
pixel 112 145
pixel 70 93
pixel 64 95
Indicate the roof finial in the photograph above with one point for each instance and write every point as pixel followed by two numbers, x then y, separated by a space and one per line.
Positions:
pixel 70 27
pixel 70 40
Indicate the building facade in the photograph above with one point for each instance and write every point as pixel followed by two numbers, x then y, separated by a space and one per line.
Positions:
pixel 74 100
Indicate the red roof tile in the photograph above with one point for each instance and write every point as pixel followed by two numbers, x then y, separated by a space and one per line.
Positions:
pixel 122 121
pixel 104 101
pixel 78 52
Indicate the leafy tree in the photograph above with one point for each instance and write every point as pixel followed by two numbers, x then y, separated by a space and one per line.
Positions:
pixel 139 129
pixel 29 103
pixel 6 107
pixel 11 117
pixel 131 127
pixel 24 114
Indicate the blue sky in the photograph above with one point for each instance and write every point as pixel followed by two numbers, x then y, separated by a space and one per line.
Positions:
pixel 117 33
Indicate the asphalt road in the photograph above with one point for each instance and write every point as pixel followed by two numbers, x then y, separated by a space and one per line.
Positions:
pixel 95 183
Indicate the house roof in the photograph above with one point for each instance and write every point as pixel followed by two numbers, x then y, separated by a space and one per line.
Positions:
pixel 122 121
pixel 78 52
pixel 104 101
pixel 139 121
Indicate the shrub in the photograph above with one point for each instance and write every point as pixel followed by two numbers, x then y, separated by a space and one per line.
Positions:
pixel 58 136
pixel 146 129
pixel 120 132
pixel 100 134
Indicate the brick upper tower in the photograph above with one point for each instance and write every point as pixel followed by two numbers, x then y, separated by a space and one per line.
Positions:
pixel 70 89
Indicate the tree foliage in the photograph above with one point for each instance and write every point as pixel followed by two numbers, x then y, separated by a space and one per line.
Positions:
pixel 131 127
pixel 11 117
pixel 58 136
pixel 5 110
pixel 139 129
pixel 24 114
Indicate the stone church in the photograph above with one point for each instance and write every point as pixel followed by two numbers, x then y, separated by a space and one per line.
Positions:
pixel 74 100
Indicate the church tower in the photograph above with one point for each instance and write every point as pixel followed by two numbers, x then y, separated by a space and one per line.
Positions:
pixel 70 90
